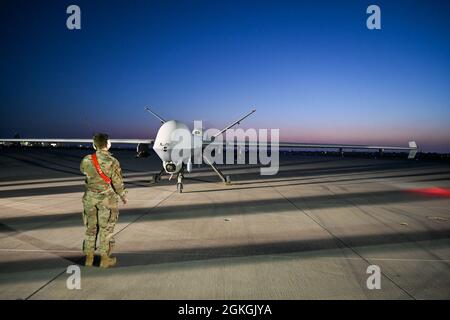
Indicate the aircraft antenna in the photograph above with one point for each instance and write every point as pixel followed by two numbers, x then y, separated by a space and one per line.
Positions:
pixel 154 114
pixel 233 124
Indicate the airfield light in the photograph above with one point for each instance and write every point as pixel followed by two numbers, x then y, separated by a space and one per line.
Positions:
pixel 434 191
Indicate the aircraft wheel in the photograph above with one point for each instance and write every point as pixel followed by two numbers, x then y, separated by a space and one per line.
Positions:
pixel 179 187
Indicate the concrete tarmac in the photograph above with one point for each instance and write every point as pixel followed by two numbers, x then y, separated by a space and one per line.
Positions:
pixel 309 232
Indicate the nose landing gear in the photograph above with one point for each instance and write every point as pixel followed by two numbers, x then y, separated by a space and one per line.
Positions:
pixel 157 178
pixel 180 182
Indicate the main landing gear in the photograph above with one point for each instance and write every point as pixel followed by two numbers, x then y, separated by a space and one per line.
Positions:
pixel 225 179
pixel 157 177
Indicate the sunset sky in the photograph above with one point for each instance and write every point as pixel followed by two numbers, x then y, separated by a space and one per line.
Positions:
pixel 311 69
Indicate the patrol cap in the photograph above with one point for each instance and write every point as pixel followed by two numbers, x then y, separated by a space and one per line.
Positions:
pixel 101 140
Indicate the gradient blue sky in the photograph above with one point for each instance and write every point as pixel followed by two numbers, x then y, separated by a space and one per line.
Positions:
pixel 312 69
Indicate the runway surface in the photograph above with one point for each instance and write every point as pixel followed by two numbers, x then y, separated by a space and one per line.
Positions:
pixel 309 232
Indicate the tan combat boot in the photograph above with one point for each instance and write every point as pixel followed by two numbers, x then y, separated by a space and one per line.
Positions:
pixel 89 259
pixel 107 261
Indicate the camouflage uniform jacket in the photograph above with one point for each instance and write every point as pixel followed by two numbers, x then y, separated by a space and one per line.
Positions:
pixel 110 167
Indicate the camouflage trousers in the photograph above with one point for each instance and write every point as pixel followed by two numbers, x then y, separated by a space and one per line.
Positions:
pixel 100 215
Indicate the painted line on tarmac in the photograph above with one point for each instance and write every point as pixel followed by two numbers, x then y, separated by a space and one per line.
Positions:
pixel 225 256
pixel 307 213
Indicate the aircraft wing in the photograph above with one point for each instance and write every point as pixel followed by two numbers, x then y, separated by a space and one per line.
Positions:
pixel 411 148
pixel 58 140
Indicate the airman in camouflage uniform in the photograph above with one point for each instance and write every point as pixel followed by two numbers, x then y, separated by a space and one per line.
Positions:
pixel 100 202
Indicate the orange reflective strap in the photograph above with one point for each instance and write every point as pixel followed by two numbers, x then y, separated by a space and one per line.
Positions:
pixel 99 170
